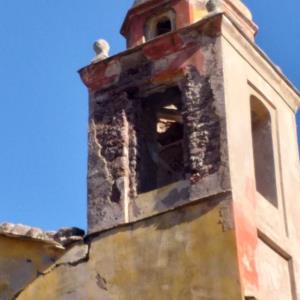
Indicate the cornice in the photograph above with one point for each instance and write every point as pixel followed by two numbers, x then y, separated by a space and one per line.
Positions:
pixel 260 61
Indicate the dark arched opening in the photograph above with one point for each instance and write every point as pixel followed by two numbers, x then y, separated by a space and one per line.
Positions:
pixel 263 151
pixel 163 26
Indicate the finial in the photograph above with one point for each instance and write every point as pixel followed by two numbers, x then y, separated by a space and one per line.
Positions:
pixel 212 5
pixel 101 47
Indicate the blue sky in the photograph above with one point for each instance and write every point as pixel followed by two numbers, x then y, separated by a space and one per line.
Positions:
pixel 43 104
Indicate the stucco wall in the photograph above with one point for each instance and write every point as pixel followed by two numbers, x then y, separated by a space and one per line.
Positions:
pixel 21 261
pixel 189 253
pixel 266 234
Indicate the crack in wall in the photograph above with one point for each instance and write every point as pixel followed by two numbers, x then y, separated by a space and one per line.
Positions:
pixel 71 262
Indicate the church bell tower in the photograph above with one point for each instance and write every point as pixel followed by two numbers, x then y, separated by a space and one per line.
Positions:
pixel 193 112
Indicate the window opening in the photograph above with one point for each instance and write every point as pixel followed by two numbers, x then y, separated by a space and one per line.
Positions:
pixel 163 26
pixel 161 141
pixel 263 151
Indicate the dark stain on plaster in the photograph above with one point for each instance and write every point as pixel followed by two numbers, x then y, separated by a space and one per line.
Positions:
pixel 136 73
pixel 226 218
pixel 101 282
pixel 174 197
pixel 188 214
pixel 70 292
pixel 115 194
pixel 136 211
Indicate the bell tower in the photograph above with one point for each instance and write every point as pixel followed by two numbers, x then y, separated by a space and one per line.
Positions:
pixel 194 113
pixel 150 18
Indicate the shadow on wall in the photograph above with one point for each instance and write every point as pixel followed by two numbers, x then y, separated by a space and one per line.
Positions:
pixel 171 218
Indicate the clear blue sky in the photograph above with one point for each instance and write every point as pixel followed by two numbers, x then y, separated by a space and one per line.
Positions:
pixel 43 114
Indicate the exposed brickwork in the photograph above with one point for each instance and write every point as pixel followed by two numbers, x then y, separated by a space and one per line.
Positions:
pixel 202 124
pixel 107 159
pixel 118 124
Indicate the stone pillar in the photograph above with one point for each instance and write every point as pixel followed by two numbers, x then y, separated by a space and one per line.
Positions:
pixel 108 166
pixel 203 128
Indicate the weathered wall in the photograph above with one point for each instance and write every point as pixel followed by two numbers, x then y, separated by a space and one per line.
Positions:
pixel 189 60
pixel 135 25
pixel 189 253
pixel 220 247
pixel 187 12
pixel 275 278
pixel 267 236
pixel 21 261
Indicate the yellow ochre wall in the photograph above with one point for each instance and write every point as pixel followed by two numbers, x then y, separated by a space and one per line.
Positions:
pixel 188 253
pixel 21 261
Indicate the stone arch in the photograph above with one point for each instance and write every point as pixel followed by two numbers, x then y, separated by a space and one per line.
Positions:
pixel 160 24
pixel 263 150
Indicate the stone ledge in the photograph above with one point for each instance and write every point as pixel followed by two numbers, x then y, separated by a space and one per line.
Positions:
pixel 62 238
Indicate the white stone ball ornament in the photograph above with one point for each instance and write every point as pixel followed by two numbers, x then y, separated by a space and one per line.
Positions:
pixel 101 48
pixel 212 5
